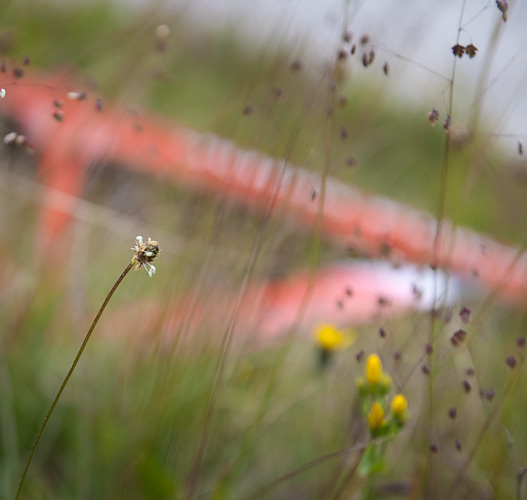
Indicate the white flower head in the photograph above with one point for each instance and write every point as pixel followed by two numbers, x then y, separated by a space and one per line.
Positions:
pixel 2 93
pixel 145 254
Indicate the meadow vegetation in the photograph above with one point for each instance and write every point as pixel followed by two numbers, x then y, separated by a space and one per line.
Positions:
pixel 161 408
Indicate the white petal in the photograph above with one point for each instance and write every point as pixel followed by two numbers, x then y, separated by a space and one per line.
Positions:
pixel 149 268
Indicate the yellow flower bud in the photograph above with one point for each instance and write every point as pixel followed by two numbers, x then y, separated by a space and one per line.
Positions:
pixel 373 369
pixel 399 405
pixel 386 381
pixel 376 418
pixel 330 338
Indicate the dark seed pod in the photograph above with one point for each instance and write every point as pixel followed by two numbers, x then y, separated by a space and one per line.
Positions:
pixel 58 115
pixel 458 338
pixel 465 314
pixel 458 50
pixel 471 50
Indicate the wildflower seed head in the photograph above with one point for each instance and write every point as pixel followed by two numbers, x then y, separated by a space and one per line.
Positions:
pixel 365 60
pixel 471 50
pixel 145 254
pixel 433 117
pixel 511 362
pixel 446 124
pixel 373 370
pixel 458 50
pixel 465 314
pixel 368 58
pixel 458 338
pixel 58 115
pixel 520 341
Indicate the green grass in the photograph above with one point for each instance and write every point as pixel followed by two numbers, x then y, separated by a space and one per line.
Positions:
pixel 130 422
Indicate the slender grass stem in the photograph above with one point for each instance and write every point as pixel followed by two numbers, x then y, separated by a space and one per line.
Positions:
pixel 436 257
pixel 300 470
pixel 70 372
pixel 193 476
pixel 483 431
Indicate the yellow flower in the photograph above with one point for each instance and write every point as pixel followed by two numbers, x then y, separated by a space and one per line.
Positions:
pixel 373 369
pixel 386 381
pixel 399 406
pixel 376 418
pixel 331 339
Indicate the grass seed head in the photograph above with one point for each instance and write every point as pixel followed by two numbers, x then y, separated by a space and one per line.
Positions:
pixel 145 254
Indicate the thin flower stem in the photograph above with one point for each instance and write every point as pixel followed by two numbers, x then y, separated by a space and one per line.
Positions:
pixel 70 372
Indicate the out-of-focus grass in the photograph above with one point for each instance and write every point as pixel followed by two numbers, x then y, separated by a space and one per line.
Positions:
pixel 130 422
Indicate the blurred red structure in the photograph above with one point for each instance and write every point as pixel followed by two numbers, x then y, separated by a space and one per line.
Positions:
pixel 69 131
